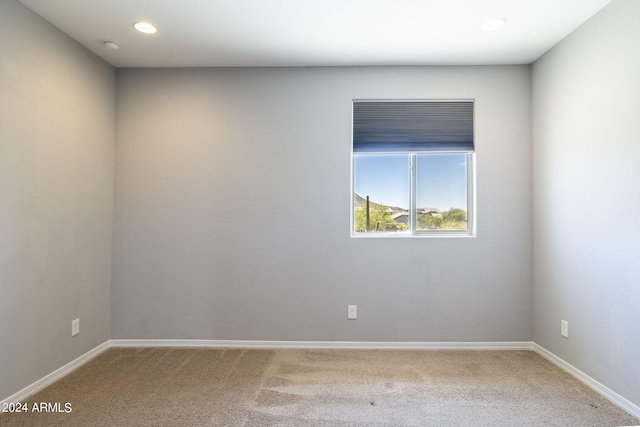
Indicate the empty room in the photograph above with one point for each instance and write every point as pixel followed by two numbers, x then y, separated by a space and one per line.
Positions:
pixel 319 213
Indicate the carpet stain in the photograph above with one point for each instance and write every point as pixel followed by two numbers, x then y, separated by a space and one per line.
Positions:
pixel 292 368
pixel 275 398
pixel 275 382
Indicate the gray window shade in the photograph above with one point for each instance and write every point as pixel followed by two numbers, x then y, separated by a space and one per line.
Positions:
pixel 408 126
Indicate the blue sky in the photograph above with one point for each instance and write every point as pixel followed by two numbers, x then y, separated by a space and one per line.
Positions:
pixel 441 180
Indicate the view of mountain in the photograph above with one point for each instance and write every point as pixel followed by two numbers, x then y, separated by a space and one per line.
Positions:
pixel 359 201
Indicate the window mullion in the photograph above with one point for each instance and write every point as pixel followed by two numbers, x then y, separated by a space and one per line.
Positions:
pixel 412 193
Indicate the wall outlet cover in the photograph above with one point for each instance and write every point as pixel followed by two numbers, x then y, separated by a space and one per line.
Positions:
pixel 75 327
pixel 564 328
pixel 352 312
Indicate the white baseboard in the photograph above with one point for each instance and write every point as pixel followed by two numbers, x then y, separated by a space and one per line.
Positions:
pixel 620 401
pixel 56 375
pixel 525 345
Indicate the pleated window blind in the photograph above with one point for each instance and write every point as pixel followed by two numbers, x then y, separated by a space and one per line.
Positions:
pixel 412 126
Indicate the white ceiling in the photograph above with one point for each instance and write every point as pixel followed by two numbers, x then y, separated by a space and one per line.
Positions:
pixel 223 33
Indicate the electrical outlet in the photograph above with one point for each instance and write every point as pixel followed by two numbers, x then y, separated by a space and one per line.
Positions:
pixel 564 328
pixel 352 312
pixel 75 327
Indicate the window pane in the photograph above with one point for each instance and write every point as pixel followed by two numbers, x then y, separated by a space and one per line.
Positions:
pixel 385 179
pixel 441 192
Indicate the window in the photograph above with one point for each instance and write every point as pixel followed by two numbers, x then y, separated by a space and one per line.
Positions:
pixel 412 168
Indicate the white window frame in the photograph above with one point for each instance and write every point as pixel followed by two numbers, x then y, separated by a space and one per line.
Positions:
pixel 413 231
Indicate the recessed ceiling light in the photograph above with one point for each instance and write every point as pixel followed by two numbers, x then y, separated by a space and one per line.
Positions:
pixel 494 24
pixel 145 27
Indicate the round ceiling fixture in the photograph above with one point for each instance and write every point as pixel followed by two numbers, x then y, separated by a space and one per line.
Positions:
pixel 111 45
pixel 145 27
pixel 494 24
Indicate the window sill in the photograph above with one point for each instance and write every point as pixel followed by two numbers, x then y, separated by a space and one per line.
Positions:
pixel 436 235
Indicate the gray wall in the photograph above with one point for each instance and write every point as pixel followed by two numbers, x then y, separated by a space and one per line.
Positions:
pixel 232 210
pixel 586 146
pixel 57 135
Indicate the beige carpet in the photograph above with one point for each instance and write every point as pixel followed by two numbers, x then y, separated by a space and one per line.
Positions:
pixel 234 387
